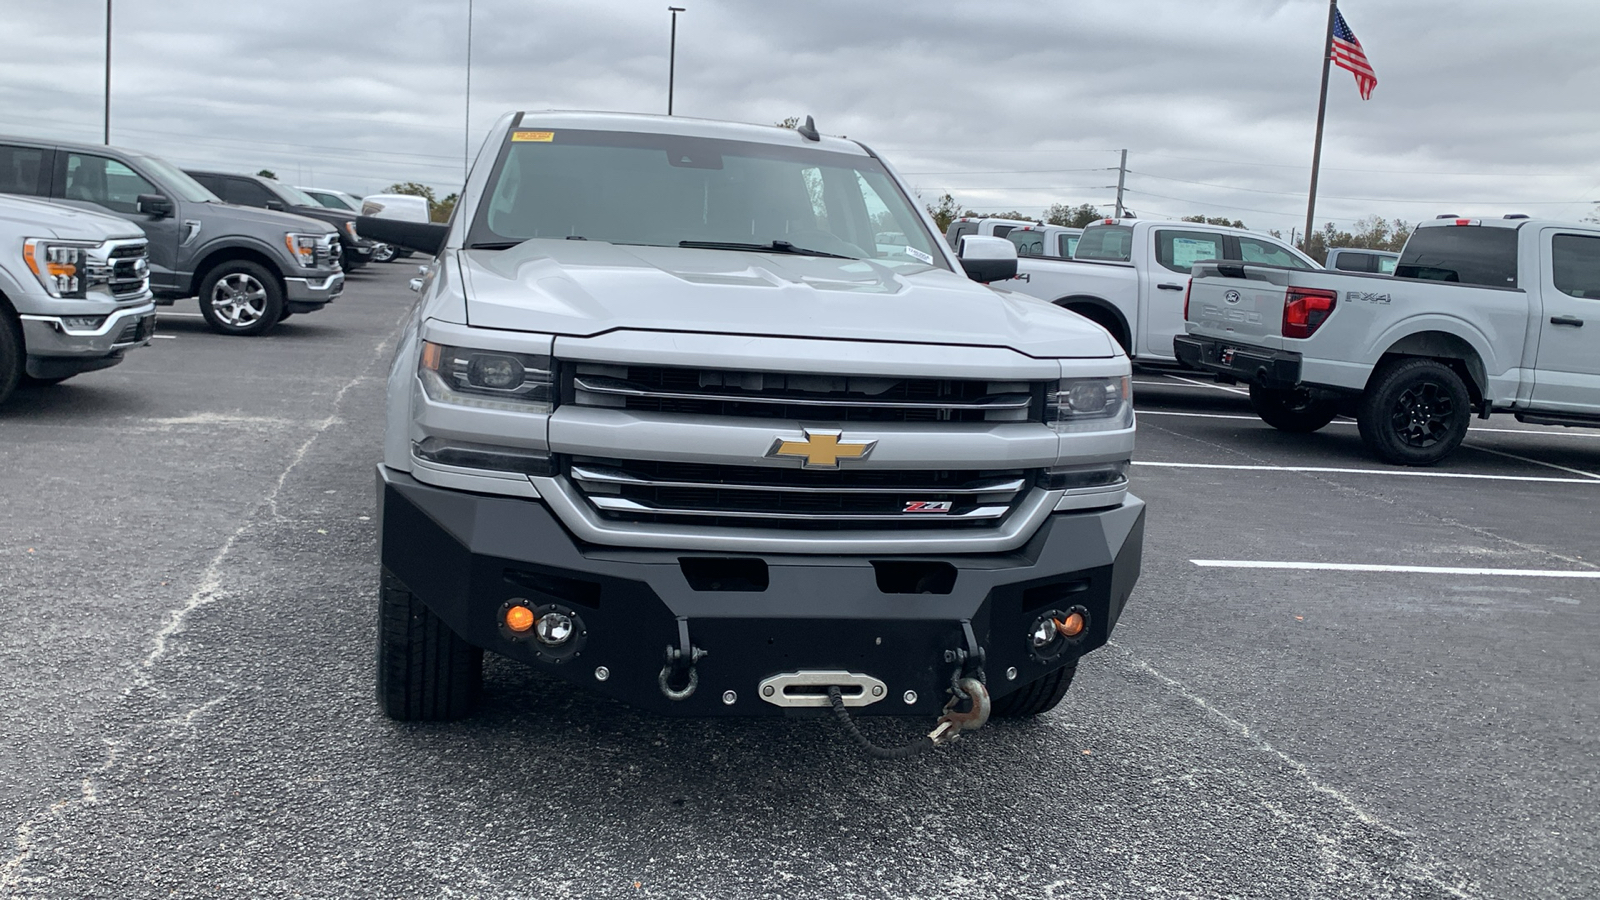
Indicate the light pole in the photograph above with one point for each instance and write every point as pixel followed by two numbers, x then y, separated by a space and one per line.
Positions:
pixel 466 128
pixel 108 75
pixel 672 56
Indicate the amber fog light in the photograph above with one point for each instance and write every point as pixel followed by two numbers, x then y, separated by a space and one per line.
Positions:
pixel 519 619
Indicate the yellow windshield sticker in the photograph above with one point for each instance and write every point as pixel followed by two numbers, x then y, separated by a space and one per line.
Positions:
pixel 543 137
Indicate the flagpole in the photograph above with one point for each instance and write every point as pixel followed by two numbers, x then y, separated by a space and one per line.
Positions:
pixel 1322 109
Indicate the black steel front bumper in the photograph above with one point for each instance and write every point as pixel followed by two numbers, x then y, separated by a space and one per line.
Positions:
pixel 1252 365
pixel 897 619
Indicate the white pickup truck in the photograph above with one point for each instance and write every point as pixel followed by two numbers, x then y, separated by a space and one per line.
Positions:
pixel 1480 316
pixel 1128 276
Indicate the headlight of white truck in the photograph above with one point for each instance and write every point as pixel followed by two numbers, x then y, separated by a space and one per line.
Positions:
pixel 62 267
pixel 1091 404
pixel 486 379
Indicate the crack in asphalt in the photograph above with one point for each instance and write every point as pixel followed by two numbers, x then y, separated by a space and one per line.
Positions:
pixel 208 592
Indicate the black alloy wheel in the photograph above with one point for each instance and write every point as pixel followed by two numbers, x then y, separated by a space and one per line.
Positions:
pixel 1415 412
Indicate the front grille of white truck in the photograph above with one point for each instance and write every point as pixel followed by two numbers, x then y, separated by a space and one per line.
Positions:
pixel 812 397
pixel 759 496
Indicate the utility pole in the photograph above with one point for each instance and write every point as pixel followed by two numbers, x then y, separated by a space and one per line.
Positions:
pixel 108 74
pixel 672 57
pixel 1122 178
pixel 466 129
pixel 1322 109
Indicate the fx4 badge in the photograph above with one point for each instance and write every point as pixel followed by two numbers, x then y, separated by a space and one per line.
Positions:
pixel 1366 297
pixel 929 506
pixel 821 449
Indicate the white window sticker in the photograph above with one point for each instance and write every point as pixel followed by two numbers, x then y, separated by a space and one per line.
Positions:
pixel 918 254
pixel 1188 251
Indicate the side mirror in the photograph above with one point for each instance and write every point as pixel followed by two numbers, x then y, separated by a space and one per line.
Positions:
pixel 276 205
pixel 987 259
pixel 153 205
pixel 423 237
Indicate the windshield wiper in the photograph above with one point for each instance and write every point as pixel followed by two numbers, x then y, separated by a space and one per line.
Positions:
pixel 774 247
pixel 495 245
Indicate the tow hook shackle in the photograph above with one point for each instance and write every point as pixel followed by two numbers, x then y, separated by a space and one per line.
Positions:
pixel 678 678
pixel 953 722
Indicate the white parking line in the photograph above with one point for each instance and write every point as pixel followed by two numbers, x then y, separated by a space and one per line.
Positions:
pixel 1364 567
pixel 1536 462
pixel 1575 432
pixel 165 337
pixel 1169 384
pixel 1406 473
pixel 173 315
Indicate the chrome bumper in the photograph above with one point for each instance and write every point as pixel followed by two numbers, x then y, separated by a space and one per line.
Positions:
pixel 49 336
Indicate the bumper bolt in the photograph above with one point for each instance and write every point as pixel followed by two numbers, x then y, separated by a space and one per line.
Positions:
pixel 877 690
pixel 910 697
pixel 601 673
pixel 768 691
pixel 729 698
pixel 1011 674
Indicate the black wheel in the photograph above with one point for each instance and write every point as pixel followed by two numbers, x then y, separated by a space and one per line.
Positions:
pixel 382 253
pixel 1035 697
pixel 1415 412
pixel 1294 411
pixel 44 382
pixel 241 297
pixel 12 356
pixel 425 670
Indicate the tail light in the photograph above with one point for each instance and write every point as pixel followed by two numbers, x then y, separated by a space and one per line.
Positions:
pixel 1305 309
pixel 1186 289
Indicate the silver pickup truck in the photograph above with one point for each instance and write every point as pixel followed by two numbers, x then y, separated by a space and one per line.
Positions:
pixel 74 292
pixel 670 424
pixel 1481 316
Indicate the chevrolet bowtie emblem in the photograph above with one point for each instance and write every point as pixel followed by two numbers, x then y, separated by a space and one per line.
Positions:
pixel 822 449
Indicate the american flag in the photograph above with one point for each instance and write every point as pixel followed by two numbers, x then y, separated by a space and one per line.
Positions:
pixel 1347 54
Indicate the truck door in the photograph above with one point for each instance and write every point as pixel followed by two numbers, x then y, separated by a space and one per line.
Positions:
pixel 1567 368
pixel 1161 285
pixel 106 185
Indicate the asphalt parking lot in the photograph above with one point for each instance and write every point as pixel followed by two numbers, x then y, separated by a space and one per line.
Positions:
pixel 1336 679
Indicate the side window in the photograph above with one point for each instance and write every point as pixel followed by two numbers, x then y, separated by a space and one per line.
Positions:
pixel 212 183
pixel 103 181
pixel 1069 243
pixel 960 230
pixel 20 168
pixel 245 192
pixel 1575 265
pixel 1351 262
pixel 1386 264
pixel 1003 230
pixel 1258 251
pixel 1180 250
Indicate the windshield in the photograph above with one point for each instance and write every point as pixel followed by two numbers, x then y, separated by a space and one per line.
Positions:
pixel 331 201
pixel 177 180
pixel 1111 242
pixel 1029 243
pixel 664 190
pixel 290 195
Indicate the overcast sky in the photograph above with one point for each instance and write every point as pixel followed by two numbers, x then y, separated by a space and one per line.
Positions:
pixel 1482 106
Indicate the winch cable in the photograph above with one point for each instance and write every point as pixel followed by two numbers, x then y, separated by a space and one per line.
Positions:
pixel 843 715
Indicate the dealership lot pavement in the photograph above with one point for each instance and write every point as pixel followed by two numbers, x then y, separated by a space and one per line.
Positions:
pixel 187 570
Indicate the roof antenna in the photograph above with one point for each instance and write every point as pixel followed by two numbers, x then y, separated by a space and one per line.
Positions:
pixel 809 130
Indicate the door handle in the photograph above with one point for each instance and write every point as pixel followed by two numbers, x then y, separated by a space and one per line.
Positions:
pixel 1170 287
pixel 1566 320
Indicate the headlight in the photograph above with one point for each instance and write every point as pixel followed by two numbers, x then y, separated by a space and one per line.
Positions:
pixel 350 229
pixel 1091 404
pixel 486 379
pixel 302 248
pixel 62 267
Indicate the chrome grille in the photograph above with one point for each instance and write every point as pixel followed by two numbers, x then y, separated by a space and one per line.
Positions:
pixel 759 496
pixel 814 397
pixel 126 270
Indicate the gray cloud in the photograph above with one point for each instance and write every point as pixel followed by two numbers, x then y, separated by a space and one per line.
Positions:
pixel 1482 107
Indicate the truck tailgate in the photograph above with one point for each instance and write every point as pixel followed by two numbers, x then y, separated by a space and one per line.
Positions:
pixel 1234 301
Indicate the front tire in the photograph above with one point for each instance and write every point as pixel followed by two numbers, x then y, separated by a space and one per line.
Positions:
pixel 1035 697
pixel 1415 412
pixel 426 672
pixel 1295 411
pixel 383 253
pixel 240 297
pixel 12 356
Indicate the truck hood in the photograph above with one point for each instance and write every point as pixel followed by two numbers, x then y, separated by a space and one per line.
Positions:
pixel 269 217
pixel 583 288
pixel 35 218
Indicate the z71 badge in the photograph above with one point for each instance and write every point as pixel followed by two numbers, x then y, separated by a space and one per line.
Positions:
pixel 929 506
